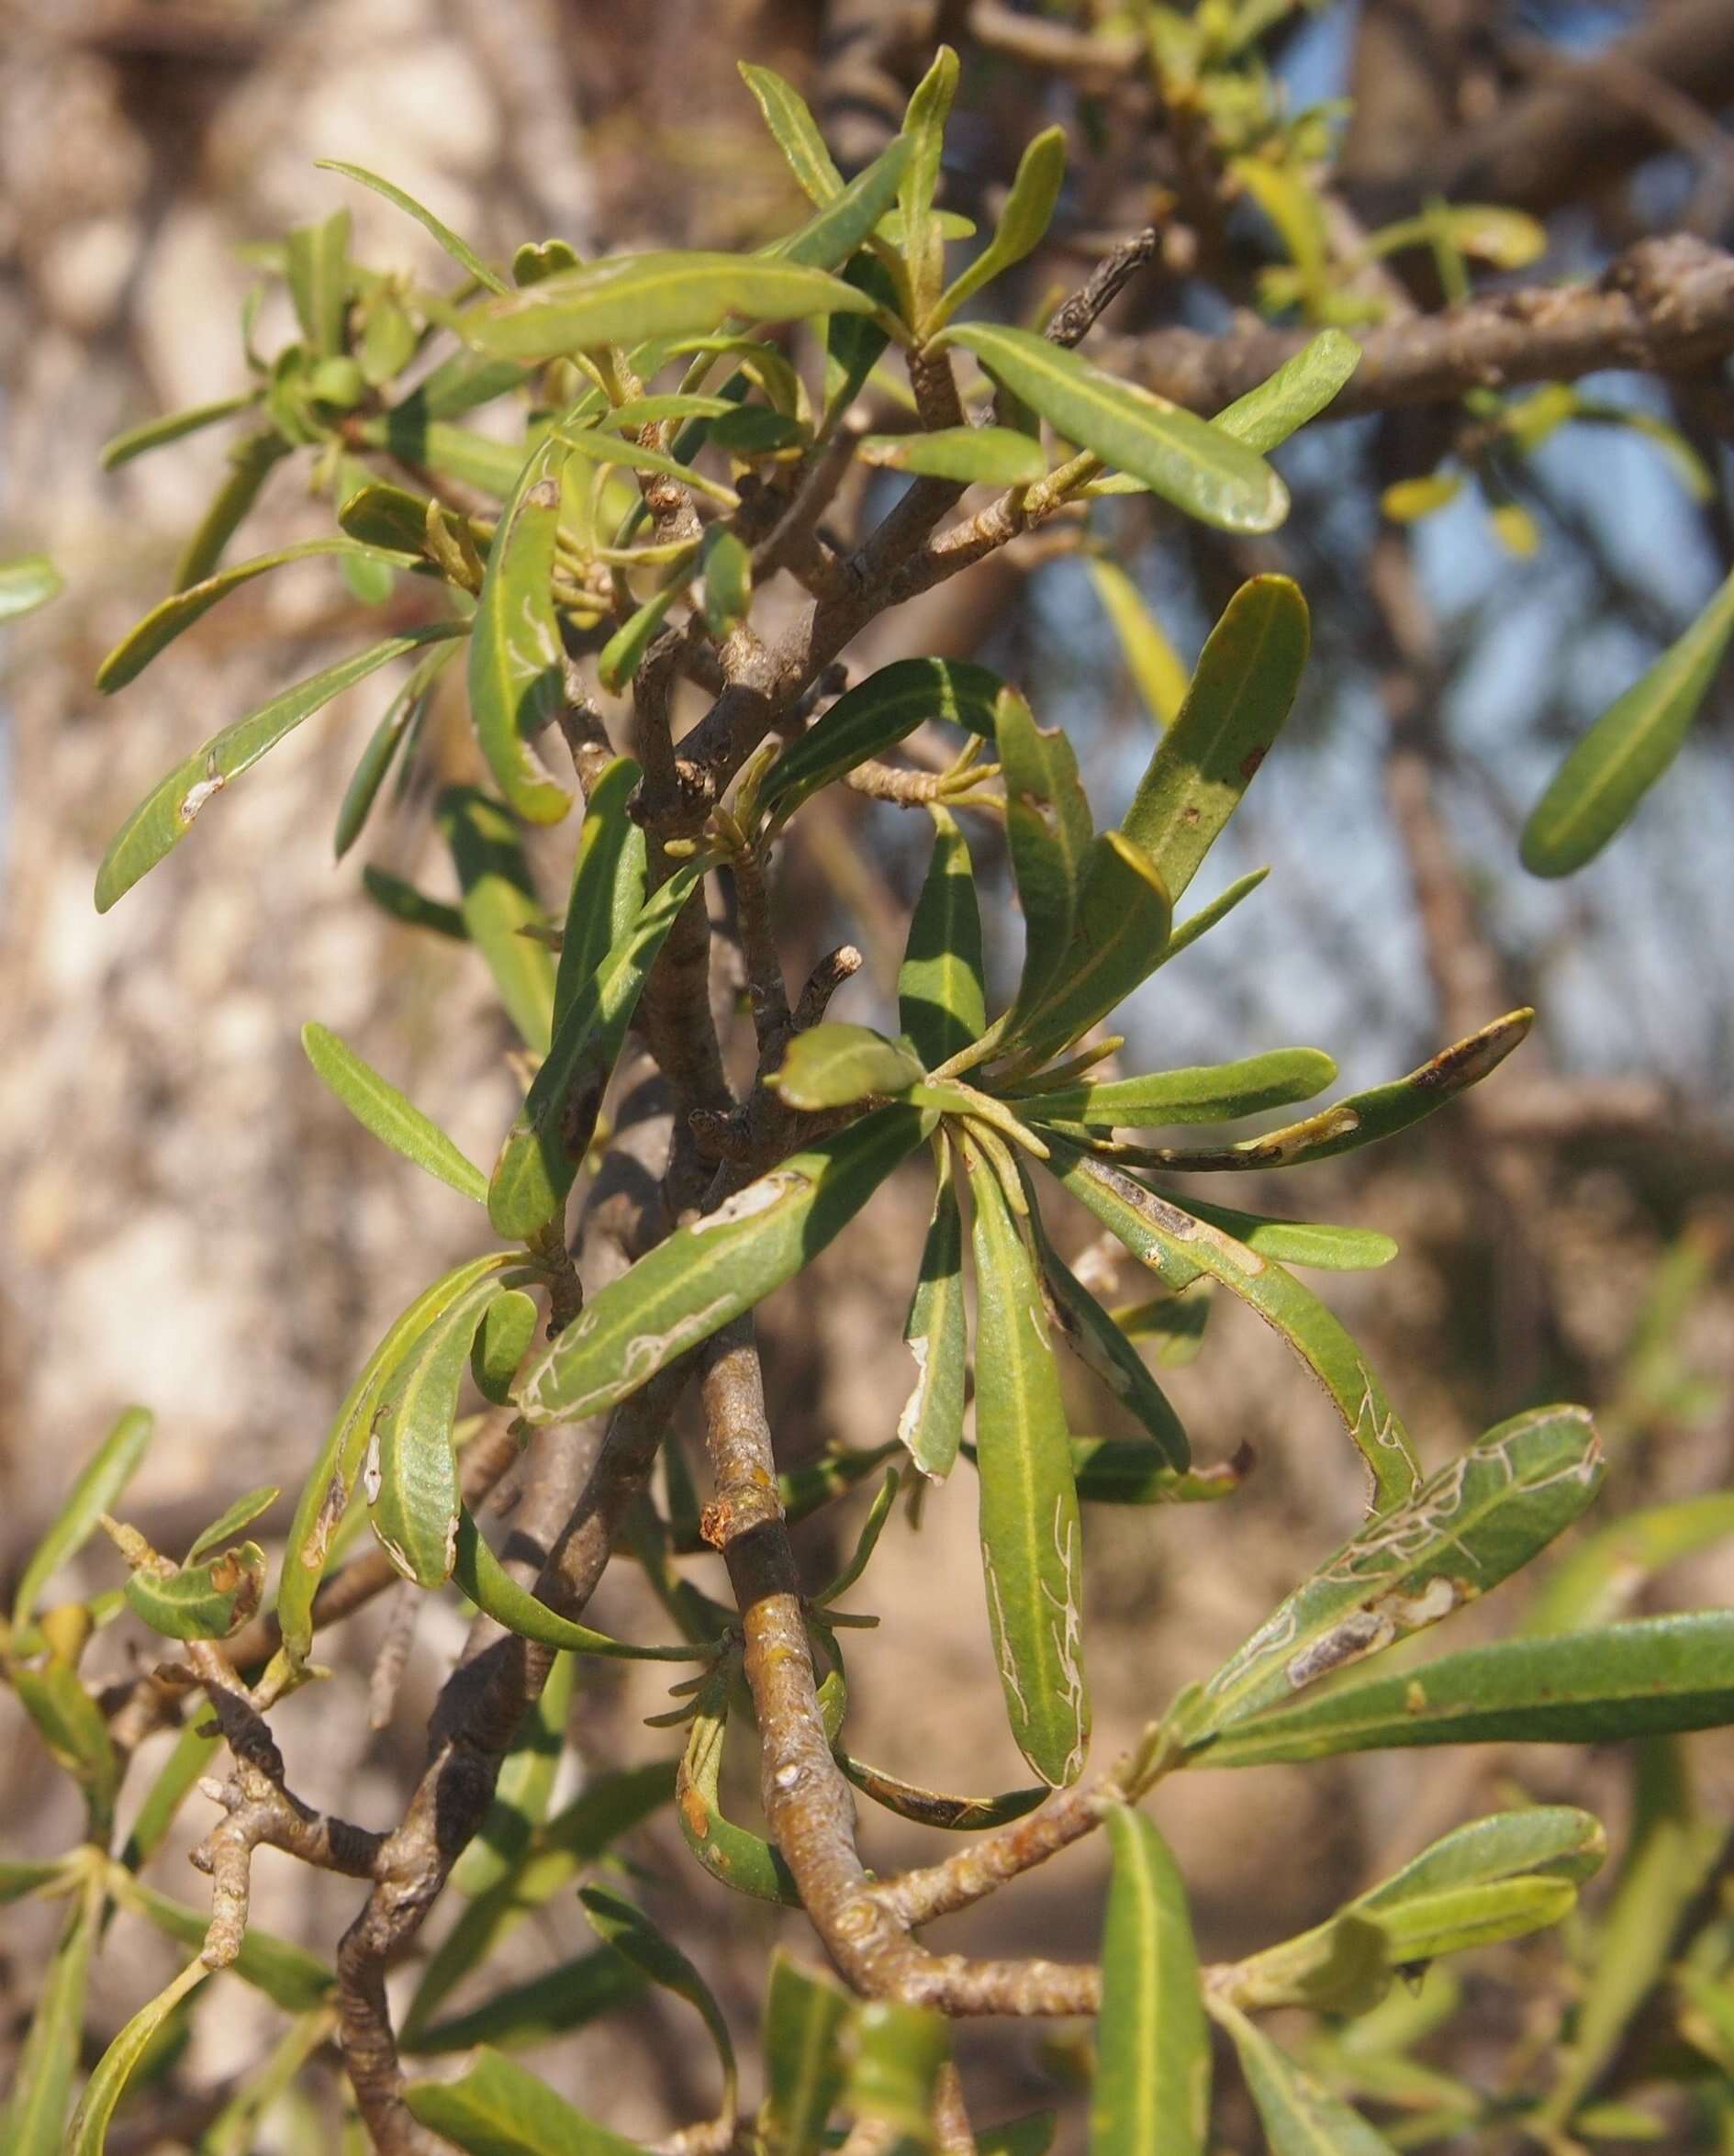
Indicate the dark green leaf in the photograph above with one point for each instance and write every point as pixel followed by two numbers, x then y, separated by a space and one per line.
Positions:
pixel 495 1593
pixel 379 1107
pixel 608 882
pixel 941 987
pixel 1031 1541
pixel 499 902
pixel 1627 749
pixel 287 1974
pixel 874 716
pixel 1152 2087
pixel 97 1491
pixel 932 1807
pixel 804 2014
pixel 623 652
pixel 163 819
pixel 1188 462
pixel 249 463
pixel 1049 829
pixel 516 669
pixel 931 1424
pixel 411 1468
pixel 895 2055
pixel 403 715
pixel 1102 1346
pixel 19 1880
pixel 567 1997
pixel 459 249
pixel 501 1344
pixel 1216 1092
pixel 703 1276
pixel 1130 1470
pixel 922 239
pixel 392 895
pixel 1240 694
pixel 1297 392
pixel 631 1933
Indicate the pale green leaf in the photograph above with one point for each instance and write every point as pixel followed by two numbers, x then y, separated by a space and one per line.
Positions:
pixel 989 456
pixel 833 1065
pixel 379 1107
pixel 459 249
pixel 1297 392
pixel 516 664
pixel 1029 210
pixel 97 1491
pixel 499 903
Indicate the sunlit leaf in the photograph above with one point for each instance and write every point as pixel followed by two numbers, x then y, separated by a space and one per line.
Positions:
pixel 1300 2118
pixel 794 131
pixel 498 2109
pixel 516 666
pixel 499 902
pixel 88 2133
pixel 874 716
pixel 287 1974
pixel 1029 210
pixel 608 882
pixel 379 1107
pixel 319 280
pixel 895 2053
pixel 989 456
pixel 1197 924
pixel 830 237
pixel 1130 1470
pixel 1212 1092
pixel 201 1601
pixel 704 1275
pixel 1154 664
pixel 1120 931
pixel 1152 2088
pixel 495 1593
pixel 1598 1577
pixel 743 1861
pixel 70 1724
pixel 932 1807
pixel 931 1424
pixel 402 716
pixel 1184 459
pixel 1297 392
pixel 120 449
pixel 833 1065
pixel 97 1491
pixel 459 249
pixel 1048 833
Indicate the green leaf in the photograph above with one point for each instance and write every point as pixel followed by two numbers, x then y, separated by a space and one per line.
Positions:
pixel 166 620
pixel 1212 1092
pixel 206 1601
pixel 1657 1675
pixel 392 895
pixel 326 1494
pixel 1119 937
pixel 382 515
pixel 379 1107
pixel 608 882
pixel 895 2055
pixel 502 1342
pixel 1033 2135
pixel 1364 1119
pixel 941 987
pixel 568 1996
pixel 1297 392
pixel 517 668
pixel 1188 462
pixel 88 2133
pixel 1102 1347
pixel 249 463
pixel 1197 924
pixel 874 716
pixel 931 1424
pixel 728 581
pixel 932 1807
pixel 1317 1243
pixel 319 280
pixel 1130 1470
pixel 1627 749
pixel 631 297
pixel 833 1065
pixel 26 582
pixel 762 429
pixel 120 449
pixel 804 2015
pixel 525 1787
pixel 411 1468
pixel 1599 1576
pixel 499 902
pixel 403 715
pixel 1177 1248
pixel 1152 2087
pixel 795 132
pixel 287 1974
pixel 741 1860
pixel 538 259
pixel 175 1781
pixel 854 344
pixel 34 2118
pixel 552 1130
pixel 233 1519
pixel 497 2109
pixel 1240 694
pixel 574 1838
pixel 70 1724
pixel 97 1491
pixel 1048 832
pixel 923 234
pixel 1029 210
pixel 459 249
pixel 1474 1523
pixel 17 1881
pixel 1176 1323
pixel 1299 2117
pixel 691 1285
pixel 1154 664
pixel 830 238
pixel 989 456
pixel 450 453
pixel 497 1595
pixel 163 819
pixel 621 655
pixel 631 1933
pixel 1031 1541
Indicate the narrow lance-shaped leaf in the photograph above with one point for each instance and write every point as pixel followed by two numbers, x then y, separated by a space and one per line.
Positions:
pixel 1212 1092
pixel 941 986
pixel 26 582
pixel 804 2015
pixel 34 2120
pixel 570 1995
pixel 379 1107
pixel 1029 209
pixel 459 249
pixel 704 1275
pixel 497 1595
pixel 1201 471
pixel 249 463
pixel 1154 663
pixel 1645 1678
pixel 1100 1344
pixel 552 1130
pixel 286 1974
pixel 499 902
pixel 794 131
pixel 922 236
pixel 70 1724
pixel 1119 936
pixel 630 1932
pixel 1048 831
pixel 1130 1470
pixel 630 297
pixel 403 715
pixel 229 1521
pixel 1297 392
pixel 1603 1572
pixel 874 716
pixel 517 677
pixel 175 1781
pixel 1031 1543
pixel 319 280
pixel 1316 1244
pixel 831 235
pixel 403 902
pixel 163 819
pixel 608 882
pixel 985 456
pixel 832 1065
pixel 1200 924
pixel 1241 693
pixel 1177 1248
pixel 1364 1119
pixel 1152 2088
pixel 525 1787
pixel 498 2109
pixel 743 1861
pixel 1300 2118
pixel 931 1424
pixel 120 449
pixel 411 1467
pixel 936 1808
pixel 1627 749
pixel 1555 1842
pixel 97 1491
pixel 1469 1527
pixel 166 620
pixel 326 1494
pixel 88 2133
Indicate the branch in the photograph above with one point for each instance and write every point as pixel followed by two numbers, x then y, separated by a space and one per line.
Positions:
pixel 1663 307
